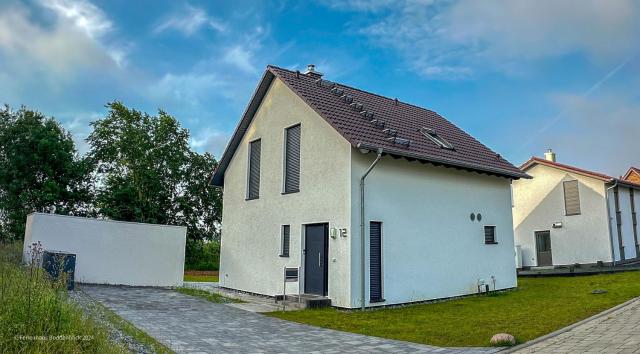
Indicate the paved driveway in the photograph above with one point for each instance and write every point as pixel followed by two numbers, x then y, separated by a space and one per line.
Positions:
pixel 617 331
pixel 190 324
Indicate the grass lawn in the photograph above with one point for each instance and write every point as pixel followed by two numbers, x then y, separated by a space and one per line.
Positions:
pixel 539 306
pixel 197 277
pixel 217 298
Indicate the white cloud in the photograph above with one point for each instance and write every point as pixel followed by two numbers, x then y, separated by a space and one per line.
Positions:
pixel 210 140
pixel 240 57
pixel 456 38
pixel 191 88
pixel 83 14
pixel 28 48
pixel 189 20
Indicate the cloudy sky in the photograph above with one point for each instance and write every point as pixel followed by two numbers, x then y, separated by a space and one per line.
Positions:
pixel 520 76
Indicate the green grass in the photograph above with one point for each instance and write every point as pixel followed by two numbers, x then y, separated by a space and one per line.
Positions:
pixel 36 313
pixel 539 306
pixel 206 278
pixel 217 298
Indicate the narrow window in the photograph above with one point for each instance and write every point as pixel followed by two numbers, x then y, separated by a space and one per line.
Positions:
pixel 253 178
pixel 292 160
pixel 571 197
pixel 490 235
pixel 286 240
pixel 433 136
pixel 375 261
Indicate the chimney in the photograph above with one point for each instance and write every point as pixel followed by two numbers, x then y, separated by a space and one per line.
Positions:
pixel 311 71
pixel 550 155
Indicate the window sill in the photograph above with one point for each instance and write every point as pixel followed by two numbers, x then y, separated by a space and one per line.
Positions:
pixel 572 214
pixel 248 199
pixel 491 243
pixel 284 256
pixel 377 301
pixel 292 192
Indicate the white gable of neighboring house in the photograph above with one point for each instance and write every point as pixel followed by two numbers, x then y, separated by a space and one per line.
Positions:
pixel 540 202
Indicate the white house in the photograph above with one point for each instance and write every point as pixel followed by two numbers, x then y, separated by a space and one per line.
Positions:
pixel 567 215
pixel 434 221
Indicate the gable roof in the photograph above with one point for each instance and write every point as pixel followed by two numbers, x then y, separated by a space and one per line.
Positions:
pixel 631 170
pixel 600 176
pixel 355 126
pixel 539 161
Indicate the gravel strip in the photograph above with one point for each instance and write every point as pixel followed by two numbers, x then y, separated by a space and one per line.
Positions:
pixel 96 312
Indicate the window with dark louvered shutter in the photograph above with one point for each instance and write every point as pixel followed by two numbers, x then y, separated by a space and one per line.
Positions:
pixel 253 180
pixel 286 240
pixel 375 261
pixel 292 160
pixel 490 235
pixel 571 197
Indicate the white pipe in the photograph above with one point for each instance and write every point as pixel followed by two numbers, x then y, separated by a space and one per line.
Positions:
pixel 606 194
pixel 362 236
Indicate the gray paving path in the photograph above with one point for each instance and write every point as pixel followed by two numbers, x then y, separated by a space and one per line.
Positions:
pixel 615 332
pixel 190 324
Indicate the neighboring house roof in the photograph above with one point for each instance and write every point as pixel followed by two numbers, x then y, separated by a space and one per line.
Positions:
pixel 605 178
pixel 631 171
pixel 539 161
pixel 351 121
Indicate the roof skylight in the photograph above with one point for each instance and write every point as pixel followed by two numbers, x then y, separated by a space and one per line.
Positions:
pixel 433 136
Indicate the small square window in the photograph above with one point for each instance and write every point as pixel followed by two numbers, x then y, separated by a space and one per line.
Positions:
pixel 490 235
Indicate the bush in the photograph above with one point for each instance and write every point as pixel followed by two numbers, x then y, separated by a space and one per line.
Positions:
pixel 202 255
pixel 37 316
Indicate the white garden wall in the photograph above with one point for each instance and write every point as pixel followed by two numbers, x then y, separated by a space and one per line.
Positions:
pixel 113 252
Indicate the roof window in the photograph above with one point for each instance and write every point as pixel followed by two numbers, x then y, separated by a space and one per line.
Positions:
pixel 433 136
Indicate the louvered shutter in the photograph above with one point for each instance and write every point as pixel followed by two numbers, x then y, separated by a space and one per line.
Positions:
pixel 286 237
pixel 375 261
pixel 292 160
pixel 489 234
pixel 571 197
pixel 253 191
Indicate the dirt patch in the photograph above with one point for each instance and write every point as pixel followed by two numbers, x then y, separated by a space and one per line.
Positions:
pixel 202 272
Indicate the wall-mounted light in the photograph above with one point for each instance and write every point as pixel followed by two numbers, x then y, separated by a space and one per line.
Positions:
pixel 557 225
pixel 333 232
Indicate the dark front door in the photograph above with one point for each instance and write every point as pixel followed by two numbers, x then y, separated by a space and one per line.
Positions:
pixel 543 248
pixel 316 242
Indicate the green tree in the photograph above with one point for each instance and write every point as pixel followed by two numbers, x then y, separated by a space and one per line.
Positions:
pixel 40 169
pixel 147 172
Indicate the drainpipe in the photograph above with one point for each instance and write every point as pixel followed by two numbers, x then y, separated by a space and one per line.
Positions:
pixel 362 242
pixel 606 194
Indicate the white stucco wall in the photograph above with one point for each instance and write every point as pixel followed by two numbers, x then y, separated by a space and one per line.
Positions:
pixel 539 202
pixel 431 248
pixel 628 240
pixel 112 252
pixel 250 243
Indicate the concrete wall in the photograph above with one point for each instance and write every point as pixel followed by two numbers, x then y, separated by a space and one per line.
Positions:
pixel 539 202
pixel 628 239
pixel 250 244
pixel 431 248
pixel 112 252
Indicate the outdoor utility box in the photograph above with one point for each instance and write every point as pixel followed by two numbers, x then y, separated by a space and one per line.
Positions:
pixel 58 263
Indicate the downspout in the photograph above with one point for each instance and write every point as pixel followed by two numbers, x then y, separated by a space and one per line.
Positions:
pixel 606 194
pixel 362 242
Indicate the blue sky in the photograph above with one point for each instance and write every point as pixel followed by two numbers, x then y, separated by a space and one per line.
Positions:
pixel 520 76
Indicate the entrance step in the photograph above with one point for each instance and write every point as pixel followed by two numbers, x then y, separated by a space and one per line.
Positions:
pixel 304 301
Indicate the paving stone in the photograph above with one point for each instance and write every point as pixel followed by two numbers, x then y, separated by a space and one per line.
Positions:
pixel 190 324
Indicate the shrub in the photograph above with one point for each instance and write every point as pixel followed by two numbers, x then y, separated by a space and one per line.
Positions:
pixel 37 316
pixel 202 255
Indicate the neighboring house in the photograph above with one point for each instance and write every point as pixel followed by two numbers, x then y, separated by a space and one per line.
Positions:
pixel 567 215
pixel 633 175
pixel 437 206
